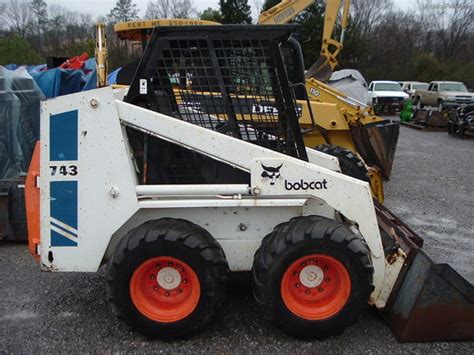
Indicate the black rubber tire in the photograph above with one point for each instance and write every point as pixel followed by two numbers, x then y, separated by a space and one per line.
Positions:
pixel 176 238
pixel 350 163
pixel 305 236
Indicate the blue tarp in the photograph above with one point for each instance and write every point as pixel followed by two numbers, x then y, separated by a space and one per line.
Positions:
pixel 112 77
pixel 11 66
pixel 57 82
pixel 35 69
pixel 91 82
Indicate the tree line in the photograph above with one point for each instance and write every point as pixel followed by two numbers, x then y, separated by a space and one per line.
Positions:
pixel 433 40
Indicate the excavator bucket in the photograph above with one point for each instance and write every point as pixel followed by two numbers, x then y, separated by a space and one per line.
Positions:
pixel 321 70
pixel 376 143
pixel 430 302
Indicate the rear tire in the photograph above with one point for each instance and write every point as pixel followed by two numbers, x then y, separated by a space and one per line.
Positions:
pixel 166 278
pixel 312 276
pixel 350 164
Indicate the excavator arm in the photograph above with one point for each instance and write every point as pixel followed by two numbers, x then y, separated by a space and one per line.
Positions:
pixel 283 12
pixel 322 69
pixel 287 10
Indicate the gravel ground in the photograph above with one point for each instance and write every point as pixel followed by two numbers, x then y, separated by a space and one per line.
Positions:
pixel 59 313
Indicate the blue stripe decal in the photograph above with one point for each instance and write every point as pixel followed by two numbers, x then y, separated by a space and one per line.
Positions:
pixel 63 136
pixel 63 207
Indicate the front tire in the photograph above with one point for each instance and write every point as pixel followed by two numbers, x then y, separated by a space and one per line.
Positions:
pixel 166 278
pixel 350 164
pixel 312 276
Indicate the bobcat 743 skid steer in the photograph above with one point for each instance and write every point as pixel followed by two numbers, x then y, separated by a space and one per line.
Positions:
pixel 201 170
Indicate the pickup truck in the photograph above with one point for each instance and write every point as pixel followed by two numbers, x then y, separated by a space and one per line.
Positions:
pixel 386 96
pixel 444 94
pixel 411 86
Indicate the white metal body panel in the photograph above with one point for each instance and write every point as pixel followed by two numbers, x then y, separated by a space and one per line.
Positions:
pixel 321 159
pixel 103 166
pixel 108 204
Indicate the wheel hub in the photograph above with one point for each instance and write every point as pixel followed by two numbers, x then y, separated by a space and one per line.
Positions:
pixel 168 278
pixel 316 286
pixel 311 276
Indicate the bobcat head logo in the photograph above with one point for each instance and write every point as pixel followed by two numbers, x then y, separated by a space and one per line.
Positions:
pixel 271 173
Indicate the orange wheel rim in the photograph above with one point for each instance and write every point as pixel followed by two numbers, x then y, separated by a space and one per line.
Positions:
pixel 316 287
pixel 165 289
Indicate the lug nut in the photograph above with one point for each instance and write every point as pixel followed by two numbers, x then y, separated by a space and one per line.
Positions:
pixel 307 292
pixel 295 273
pixel 297 285
pixel 152 277
pixel 320 289
pixel 170 263
pixel 179 290
pixel 185 281
pixel 158 266
pixel 328 279
pixel 155 288
pixel 167 294
pixel 303 264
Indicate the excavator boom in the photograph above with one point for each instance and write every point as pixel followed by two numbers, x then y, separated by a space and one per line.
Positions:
pixel 283 12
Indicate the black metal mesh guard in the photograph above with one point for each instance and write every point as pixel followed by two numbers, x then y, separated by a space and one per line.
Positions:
pixel 230 79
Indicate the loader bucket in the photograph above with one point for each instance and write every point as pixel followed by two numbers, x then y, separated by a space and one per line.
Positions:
pixel 430 118
pixel 429 301
pixel 433 303
pixel 376 143
pixel 321 70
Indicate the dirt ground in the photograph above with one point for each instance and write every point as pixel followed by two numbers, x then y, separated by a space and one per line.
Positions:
pixel 431 189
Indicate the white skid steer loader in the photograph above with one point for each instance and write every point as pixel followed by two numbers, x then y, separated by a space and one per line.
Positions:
pixel 201 170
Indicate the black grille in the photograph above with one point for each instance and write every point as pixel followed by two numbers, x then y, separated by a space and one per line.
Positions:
pixel 230 79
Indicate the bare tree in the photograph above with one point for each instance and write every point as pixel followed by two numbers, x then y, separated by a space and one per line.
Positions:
pixel 161 9
pixel 448 26
pixel 158 9
pixel 17 16
pixel 183 9
pixel 366 14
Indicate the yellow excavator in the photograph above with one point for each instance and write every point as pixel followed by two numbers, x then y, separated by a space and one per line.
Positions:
pixel 363 142
pixel 347 128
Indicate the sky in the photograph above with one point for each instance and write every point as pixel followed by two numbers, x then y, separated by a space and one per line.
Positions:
pixel 95 7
